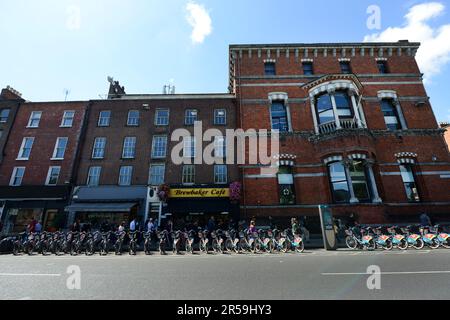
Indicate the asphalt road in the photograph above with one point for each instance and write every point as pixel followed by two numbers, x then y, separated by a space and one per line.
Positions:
pixel 312 275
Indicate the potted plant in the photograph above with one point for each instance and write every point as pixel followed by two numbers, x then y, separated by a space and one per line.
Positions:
pixel 235 191
pixel 163 192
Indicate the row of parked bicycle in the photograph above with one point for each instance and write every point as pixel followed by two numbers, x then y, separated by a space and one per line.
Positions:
pixel 90 243
pixel 387 238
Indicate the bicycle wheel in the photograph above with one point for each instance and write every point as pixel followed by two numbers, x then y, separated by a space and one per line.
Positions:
pixel 300 248
pixel 418 244
pixel 389 246
pixel 351 242
pixel 16 249
pixel 403 245
pixel 434 244
pixel 446 243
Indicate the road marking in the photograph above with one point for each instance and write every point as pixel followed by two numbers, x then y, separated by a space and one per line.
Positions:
pixel 385 273
pixel 30 275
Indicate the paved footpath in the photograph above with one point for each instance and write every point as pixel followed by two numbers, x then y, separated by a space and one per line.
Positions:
pixel 314 274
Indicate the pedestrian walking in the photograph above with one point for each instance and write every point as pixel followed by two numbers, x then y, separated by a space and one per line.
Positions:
pixel 211 226
pixel 133 225
pixel 425 220
pixel 38 227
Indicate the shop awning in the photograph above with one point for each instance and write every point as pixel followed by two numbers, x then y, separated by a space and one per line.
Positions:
pixel 101 207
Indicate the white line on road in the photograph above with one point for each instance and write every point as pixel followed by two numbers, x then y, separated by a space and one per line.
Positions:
pixel 30 275
pixel 384 273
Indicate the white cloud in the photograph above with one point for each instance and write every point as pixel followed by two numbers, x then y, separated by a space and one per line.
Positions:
pixel 198 17
pixel 434 52
pixel 73 21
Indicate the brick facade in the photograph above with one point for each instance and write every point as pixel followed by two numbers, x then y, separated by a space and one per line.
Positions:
pixel 116 132
pixel 36 168
pixel 311 145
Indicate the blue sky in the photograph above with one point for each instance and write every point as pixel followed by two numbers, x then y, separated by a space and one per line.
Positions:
pixel 50 45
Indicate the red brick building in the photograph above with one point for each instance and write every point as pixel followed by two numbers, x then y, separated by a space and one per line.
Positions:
pixel 446 127
pixel 127 150
pixel 357 131
pixel 39 163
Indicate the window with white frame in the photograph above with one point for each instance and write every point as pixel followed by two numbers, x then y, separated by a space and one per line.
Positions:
pixel 188 175
pixel 53 176
pixel 338 181
pixel 60 148
pixel 17 176
pixel 325 109
pixel 133 118
pixel 278 113
pixel 34 120
pixel 129 148
pixel 189 146
pixel 93 178
pixel 191 116
pixel 98 149
pixel 220 117
pixel 67 120
pixel 104 118
pixel 391 117
pixel 4 114
pixel 409 183
pixel 157 172
pixel 162 117
pixel 220 147
pixel 220 173
pixel 125 175
pixel 25 148
pixel 159 146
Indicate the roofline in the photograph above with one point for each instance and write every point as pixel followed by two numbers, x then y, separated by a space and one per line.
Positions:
pixel 171 96
pixel 328 45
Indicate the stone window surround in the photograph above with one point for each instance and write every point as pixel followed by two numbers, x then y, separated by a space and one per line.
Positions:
pixel 368 163
pixel 281 96
pixel 331 87
pixel 406 157
pixel 391 94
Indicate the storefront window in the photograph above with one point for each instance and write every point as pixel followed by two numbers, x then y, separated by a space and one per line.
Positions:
pixel 17 220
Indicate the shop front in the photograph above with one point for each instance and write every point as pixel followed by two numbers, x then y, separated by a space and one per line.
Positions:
pixel 106 206
pixel 197 204
pixel 22 205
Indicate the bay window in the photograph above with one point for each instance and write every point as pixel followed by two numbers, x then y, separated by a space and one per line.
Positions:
pixel 325 109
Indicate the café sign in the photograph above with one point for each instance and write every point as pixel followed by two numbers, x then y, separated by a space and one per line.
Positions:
pixel 200 193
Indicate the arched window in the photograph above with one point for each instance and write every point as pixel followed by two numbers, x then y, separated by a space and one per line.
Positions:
pixel 349 184
pixel 359 180
pixel 338 181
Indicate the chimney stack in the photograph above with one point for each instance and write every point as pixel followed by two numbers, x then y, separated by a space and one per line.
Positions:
pixel 10 93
